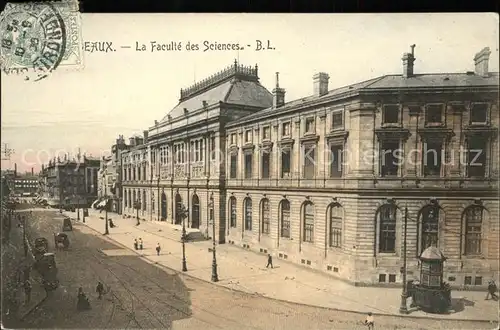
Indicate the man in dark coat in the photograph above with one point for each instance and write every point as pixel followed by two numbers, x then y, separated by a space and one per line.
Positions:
pixel 492 291
pixel 100 290
pixel 269 261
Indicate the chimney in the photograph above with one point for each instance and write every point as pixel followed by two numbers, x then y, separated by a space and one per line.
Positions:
pixel 132 141
pixel 320 83
pixel 145 133
pixel 408 59
pixel 481 62
pixel 15 170
pixel 32 172
pixel 278 94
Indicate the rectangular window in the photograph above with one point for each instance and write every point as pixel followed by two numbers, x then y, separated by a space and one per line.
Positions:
pixel 201 150
pixel 197 151
pixel 248 136
pixel 476 162
pixel 266 133
pixel 234 166
pixel 310 125
pixel 309 162
pixel 390 114
pixel 336 161
pixel 479 113
pixel 434 114
pixel 265 218
pixel 285 129
pixel 468 280
pixel 266 164
pixel 389 158
pixel 387 243
pixel 233 138
pixel 432 158
pixel 248 165
pixel 337 120
pixel 285 163
pixel 212 148
pixel 478 280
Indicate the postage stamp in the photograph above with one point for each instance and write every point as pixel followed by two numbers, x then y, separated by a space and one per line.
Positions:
pixel 38 38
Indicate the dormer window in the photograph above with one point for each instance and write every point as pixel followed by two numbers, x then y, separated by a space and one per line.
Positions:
pixel 390 114
pixel 479 113
pixel 285 129
pixel 248 136
pixel 337 120
pixel 310 126
pixel 266 133
pixel 434 114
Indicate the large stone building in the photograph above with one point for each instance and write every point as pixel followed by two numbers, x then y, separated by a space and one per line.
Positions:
pixel 325 181
pixel 66 181
pixel 180 160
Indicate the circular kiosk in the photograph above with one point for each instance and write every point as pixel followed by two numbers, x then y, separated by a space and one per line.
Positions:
pixel 432 294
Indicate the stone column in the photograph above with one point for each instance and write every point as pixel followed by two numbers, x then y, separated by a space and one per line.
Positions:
pixel 361 137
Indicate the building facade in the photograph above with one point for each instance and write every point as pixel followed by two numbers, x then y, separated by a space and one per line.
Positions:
pixel 26 185
pixel 180 160
pixel 70 181
pixel 110 175
pixel 330 181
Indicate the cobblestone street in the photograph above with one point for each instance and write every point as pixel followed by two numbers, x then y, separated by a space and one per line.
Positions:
pixel 144 295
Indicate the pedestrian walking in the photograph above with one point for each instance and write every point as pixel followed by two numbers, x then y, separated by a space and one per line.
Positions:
pixel 140 244
pixel 369 321
pixel 27 291
pixel 99 289
pixel 135 244
pixel 269 261
pixel 492 291
pixel 158 249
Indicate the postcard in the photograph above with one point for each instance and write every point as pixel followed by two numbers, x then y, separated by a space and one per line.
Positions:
pixel 249 171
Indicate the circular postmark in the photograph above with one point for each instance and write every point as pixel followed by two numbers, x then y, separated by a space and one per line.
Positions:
pixel 33 38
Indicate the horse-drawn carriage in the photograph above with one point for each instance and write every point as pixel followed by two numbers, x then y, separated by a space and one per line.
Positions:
pixel 41 247
pixel 61 240
pixel 46 267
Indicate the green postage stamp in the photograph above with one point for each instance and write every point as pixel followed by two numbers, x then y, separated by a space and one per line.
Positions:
pixel 38 38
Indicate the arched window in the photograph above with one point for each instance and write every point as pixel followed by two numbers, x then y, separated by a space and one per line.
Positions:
pixel 232 212
pixel 473 230
pixel 134 199
pixel 247 206
pixel 130 199
pixel 285 218
pixel 336 216
pixel 265 215
pixel 163 206
pixel 144 201
pixel 387 229
pixel 308 220
pixel 125 199
pixel 430 227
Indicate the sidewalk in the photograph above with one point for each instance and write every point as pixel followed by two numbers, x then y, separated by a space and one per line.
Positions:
pixel 245 271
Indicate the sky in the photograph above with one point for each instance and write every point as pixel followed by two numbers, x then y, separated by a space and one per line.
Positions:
pixel 125 91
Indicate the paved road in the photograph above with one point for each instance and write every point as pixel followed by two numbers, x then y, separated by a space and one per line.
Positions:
pixel 141 295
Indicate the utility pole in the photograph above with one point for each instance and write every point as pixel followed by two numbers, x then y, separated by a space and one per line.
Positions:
pixel 404 295
pixel 106 229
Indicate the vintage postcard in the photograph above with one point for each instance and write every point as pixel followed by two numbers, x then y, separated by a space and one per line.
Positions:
pixel 247 171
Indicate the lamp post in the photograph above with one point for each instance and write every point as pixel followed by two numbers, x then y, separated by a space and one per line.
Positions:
pixel 215 277
pixel 183 212
pixel 404 295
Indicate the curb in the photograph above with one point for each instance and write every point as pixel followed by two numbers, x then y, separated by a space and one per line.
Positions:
pixel 180 273
pixel 32 309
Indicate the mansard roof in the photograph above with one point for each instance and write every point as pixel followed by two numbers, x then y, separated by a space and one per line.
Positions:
pixel 236 84
pixel 383 83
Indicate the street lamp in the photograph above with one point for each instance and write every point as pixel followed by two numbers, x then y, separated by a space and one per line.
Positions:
pixel 137 206
pixel 215 277
pixel 106 228
pixel 404 295
pixel 183 214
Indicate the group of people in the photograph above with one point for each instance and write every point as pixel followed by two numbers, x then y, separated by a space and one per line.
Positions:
pixel 139 245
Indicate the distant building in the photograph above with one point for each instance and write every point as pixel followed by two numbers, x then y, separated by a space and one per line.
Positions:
pixel 26 185
pixel 110 175
pixel 70 181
